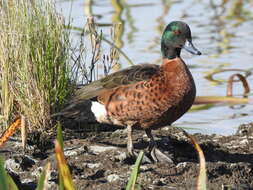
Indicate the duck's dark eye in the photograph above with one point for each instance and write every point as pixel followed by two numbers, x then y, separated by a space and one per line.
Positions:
pixel 177 32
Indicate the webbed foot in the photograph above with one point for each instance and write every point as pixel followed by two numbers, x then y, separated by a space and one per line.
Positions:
pixel 155 153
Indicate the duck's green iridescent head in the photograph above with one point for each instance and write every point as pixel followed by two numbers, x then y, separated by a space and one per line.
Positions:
pixel 177 35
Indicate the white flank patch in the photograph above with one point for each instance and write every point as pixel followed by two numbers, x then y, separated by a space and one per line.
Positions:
pixel 99 111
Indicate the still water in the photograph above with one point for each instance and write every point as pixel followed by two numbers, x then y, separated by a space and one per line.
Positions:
pixel 222 31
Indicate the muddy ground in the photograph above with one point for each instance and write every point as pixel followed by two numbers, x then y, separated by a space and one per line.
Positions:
pixel 98 160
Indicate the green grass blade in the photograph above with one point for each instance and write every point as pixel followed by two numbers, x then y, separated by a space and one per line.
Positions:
pixel 59 135
pixel 35 53
pixel 11 183
pixel 3 176
pixel 61 184
pixel 200 107
pixel 43 178
pixel 60 140
pixel 6 182
pixel 133 177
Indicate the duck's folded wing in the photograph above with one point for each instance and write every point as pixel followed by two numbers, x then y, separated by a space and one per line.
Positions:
pixel 81 100
pixel 127 76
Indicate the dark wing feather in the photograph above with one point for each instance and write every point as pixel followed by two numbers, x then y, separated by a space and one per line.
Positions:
pixel 126 76
pixel 76 107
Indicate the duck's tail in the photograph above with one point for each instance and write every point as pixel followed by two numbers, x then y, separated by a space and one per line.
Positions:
pixel 78 111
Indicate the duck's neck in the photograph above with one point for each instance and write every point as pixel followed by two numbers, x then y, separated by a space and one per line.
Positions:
pixel 170 52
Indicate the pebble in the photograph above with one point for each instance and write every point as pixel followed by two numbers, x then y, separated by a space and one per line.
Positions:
pixel 91 166
pixel 181 165
pixel 121 157
pixel 70 153
pixel 113 177
pixel 13 166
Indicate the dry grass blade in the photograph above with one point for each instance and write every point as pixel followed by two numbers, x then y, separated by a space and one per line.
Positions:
pixel 227 99
pixel 63 167
pixel 231 82
pixel 221 99
pixel 23 132
pixel 10 131
pixel 202 179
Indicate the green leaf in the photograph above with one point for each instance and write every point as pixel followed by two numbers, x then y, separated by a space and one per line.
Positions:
pixel 11 183
pixel 60 140
pixel 43 178
pixel 133 177
pixel 3 176
pixel 59 135
pixel 6 182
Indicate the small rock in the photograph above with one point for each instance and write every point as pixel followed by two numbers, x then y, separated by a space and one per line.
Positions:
pixel 181 165
pixel 12 165
pixel 26 162
pixel 73 151
pixel 144 167
pixel 244 141
pixel 98 149
pixel 119 132
pixel 92 166
pixel 113 177
pixel 37 172
pixel 121 157
pixel 70 153
pixel 245 130
pixel 27 181
pixel 159 182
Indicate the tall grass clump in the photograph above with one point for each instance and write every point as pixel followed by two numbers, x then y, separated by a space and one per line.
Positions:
pixel 34 56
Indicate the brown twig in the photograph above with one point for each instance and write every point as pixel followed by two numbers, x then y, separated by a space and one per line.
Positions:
pixel 231 81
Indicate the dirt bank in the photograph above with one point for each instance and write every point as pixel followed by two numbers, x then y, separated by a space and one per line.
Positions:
pixel 98 160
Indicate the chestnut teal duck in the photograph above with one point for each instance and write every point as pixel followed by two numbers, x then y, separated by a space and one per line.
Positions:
pixel 146 96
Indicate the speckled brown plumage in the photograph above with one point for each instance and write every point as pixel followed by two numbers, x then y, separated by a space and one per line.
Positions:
pixel 154 103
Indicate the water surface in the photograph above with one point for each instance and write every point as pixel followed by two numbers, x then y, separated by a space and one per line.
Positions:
pixel 221 30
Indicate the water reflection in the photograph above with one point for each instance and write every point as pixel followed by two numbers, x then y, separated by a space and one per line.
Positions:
pixel 222 29
pixel 117 18
pixel 88 8
pixel 227 15
pixel 161 23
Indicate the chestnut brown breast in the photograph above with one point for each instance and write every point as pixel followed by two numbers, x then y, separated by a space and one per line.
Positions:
pixel 153 103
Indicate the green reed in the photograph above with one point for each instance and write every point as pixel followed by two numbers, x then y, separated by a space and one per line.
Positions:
pixel 34 52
